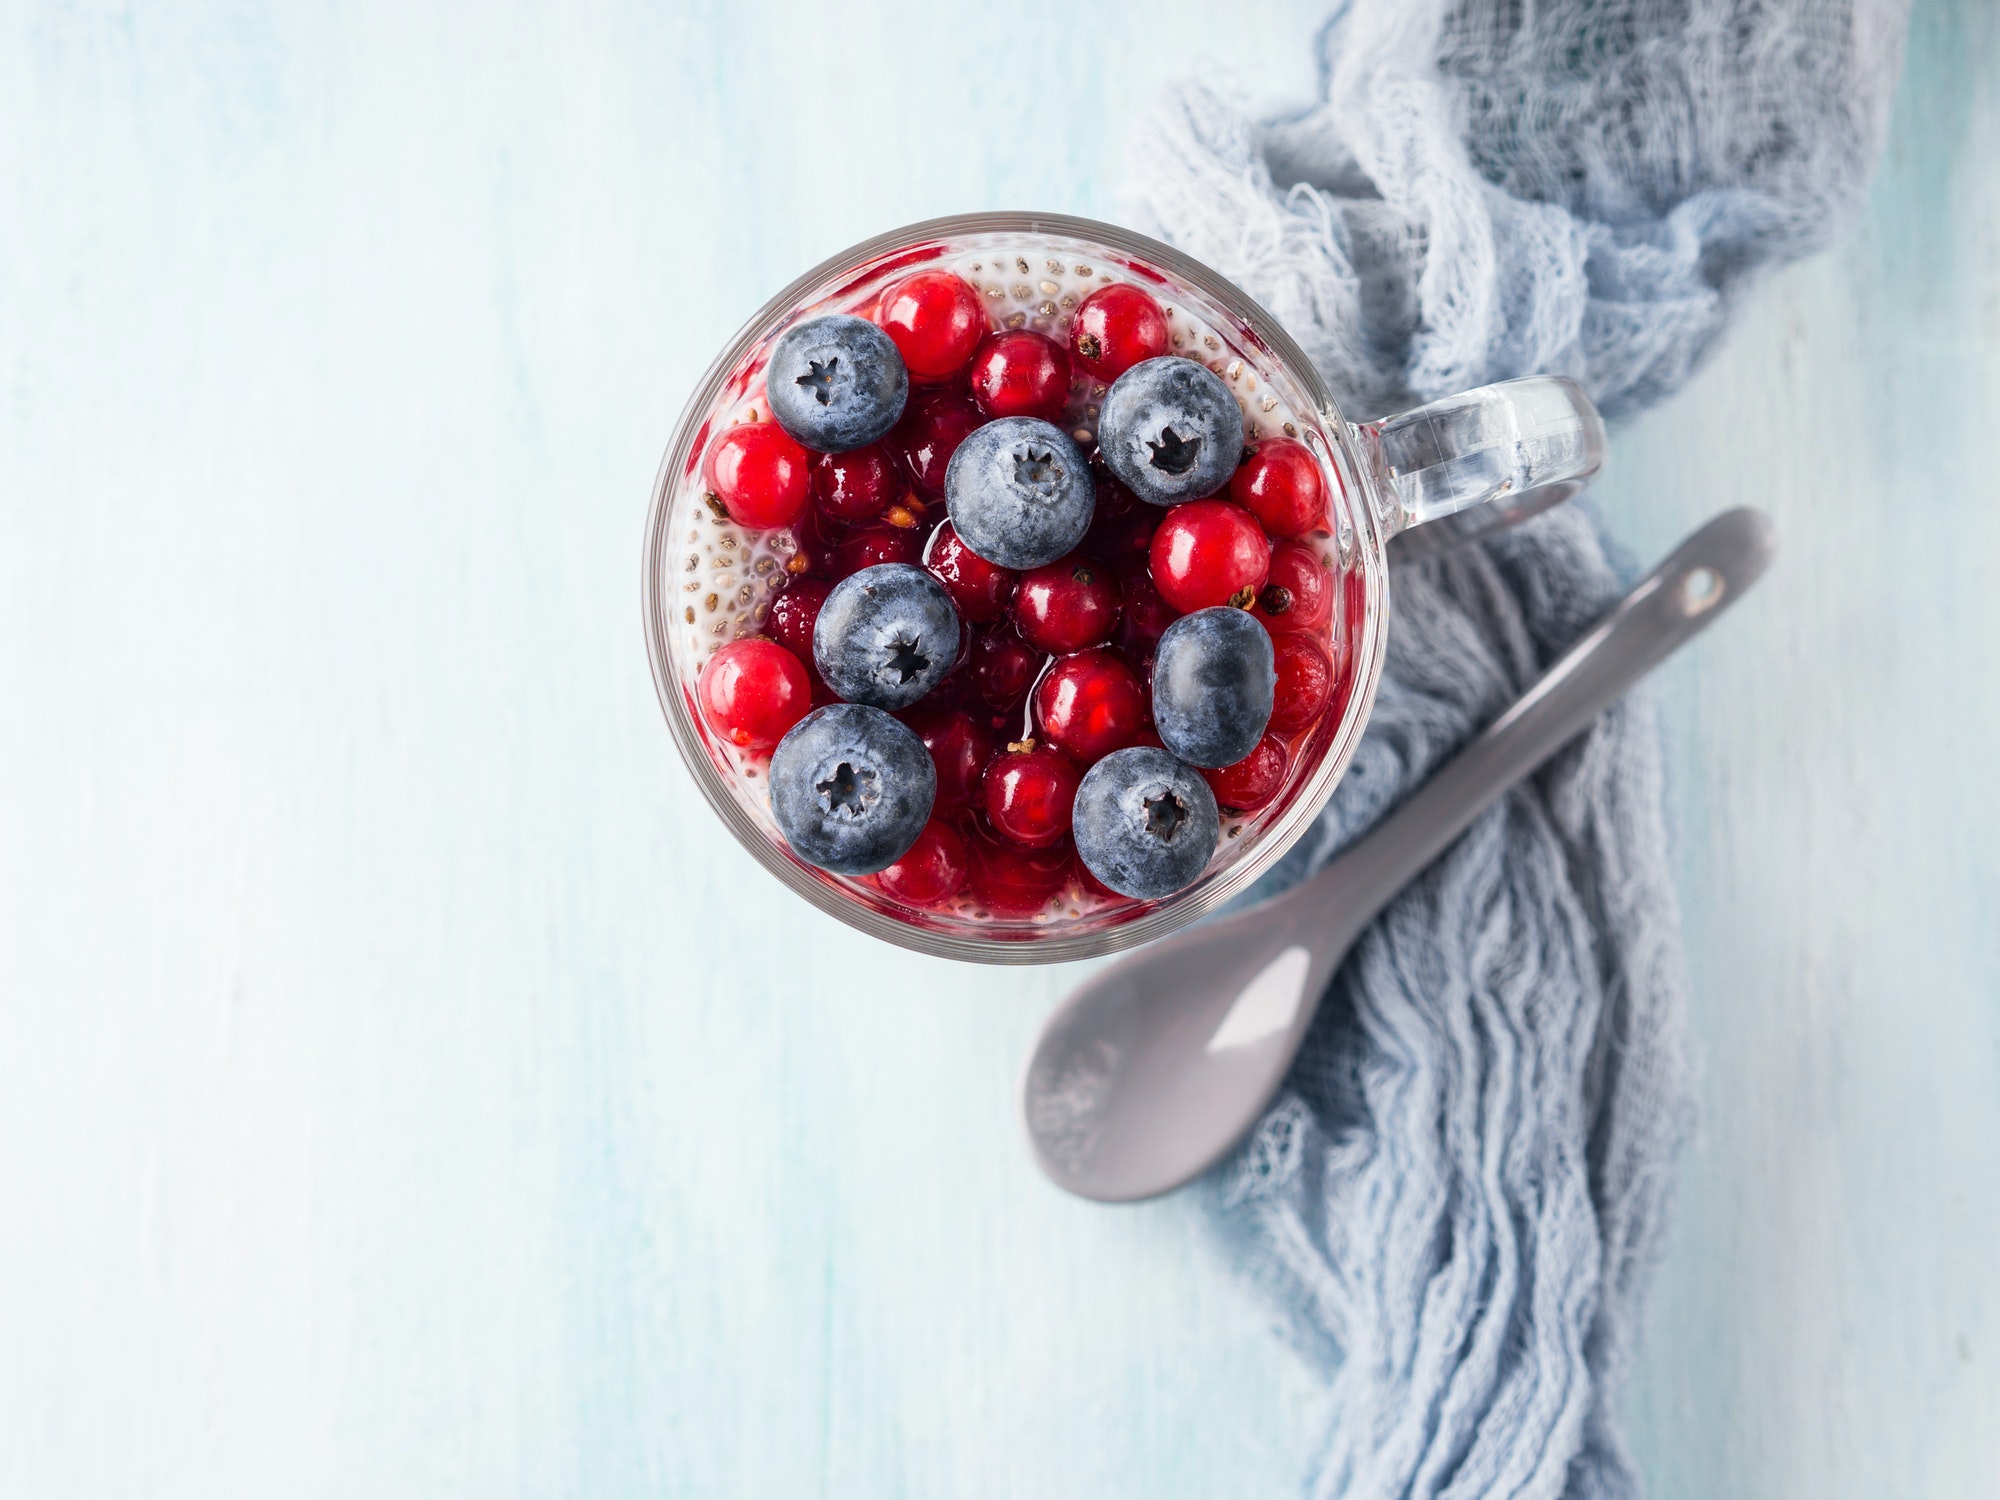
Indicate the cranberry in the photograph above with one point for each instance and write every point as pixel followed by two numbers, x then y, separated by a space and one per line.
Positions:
pixel 1122 526
pixel 1012 881
pixel 1116 327
pixel 1209 552
pixel 752 691
pixel 931 871
pixel 867 546
pixel 927 435
pixel 1299 593
pixel 1145 615
pixel 1066 605
pixel 1020 373
pixel 1254 780
pixel 760 475
pixel 855 486
pixel 1305 682
pixel 794 613
pixel 1028 791
pixel 1279 483
pixel 935 320
pixel 960 746
pixel 1091 704
pixel 1003 668
pixel 979 588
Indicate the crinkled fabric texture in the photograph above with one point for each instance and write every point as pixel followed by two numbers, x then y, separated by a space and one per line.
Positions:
pixel 1455 1204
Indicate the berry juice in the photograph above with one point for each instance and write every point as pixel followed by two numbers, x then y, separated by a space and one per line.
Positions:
pixel 1053 669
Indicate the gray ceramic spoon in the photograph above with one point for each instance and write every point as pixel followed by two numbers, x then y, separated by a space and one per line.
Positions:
pixel 1149 1073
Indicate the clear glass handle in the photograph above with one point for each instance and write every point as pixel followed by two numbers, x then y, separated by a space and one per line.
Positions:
pixel 1472 463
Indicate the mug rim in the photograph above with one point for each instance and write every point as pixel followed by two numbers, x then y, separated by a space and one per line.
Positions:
pixel 1174 912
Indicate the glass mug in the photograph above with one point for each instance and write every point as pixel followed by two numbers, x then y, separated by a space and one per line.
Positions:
pixel 1435 476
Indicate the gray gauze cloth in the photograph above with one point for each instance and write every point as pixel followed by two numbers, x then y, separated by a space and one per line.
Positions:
pixel 1455 1203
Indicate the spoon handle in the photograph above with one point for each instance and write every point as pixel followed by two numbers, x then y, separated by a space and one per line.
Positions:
pixel 1676 601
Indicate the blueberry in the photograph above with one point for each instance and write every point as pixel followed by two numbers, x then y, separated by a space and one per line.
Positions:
pixel 1170 430
pixel 1019 492
pixel 1213 680
pixel 851 788
pixel 886 636
pixel 1145 824
pixel 836 383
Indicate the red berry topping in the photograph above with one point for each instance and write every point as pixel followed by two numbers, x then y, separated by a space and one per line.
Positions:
pixel 752 691
pixel 1280 484
pixel 1305 682
pixel 794 613
pixel 960 746
pixel 1091 704
pixel 760 475
pixel 1066 605
pixel 869 545
pixel 1003 668
pixel 1116 327
pixel 1014 882
pixel 931 871
pixel 1253 781
pixel 1020 373
pixel 927 435
pixel 1145 615
pixel 854 486
pixel 1209 552
pixel 1028 791
pixel 1299 593
pixel 979 588
pixel 935 320
pixel 1122 525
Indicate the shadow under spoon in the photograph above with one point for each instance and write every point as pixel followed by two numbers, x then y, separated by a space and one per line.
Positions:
pixel 1149 1073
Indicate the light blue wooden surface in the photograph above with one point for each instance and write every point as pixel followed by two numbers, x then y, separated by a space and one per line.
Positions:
pixel 406 1089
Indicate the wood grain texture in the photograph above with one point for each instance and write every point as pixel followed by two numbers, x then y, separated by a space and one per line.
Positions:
pixel 402 1091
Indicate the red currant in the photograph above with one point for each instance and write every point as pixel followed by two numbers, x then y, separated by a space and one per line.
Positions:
pixel 760 475
pixel 1279 483
pixel 1091 704
pixel 979 588
pixel 1305 682
pixel 1066 605
pixel 1003 668
pixel 936 321
pixel 1028 791
pixel 794 613
pixel 927 435
pixel 1122 526
pixel 1014 882
pixel 1209 552
pixel 1299 593
pixel 752 691
pixel 1253 781
pixel 1020 373
pixel 854 486
pixel 867 546
pixel 1145 615
pixel 931 871
pixel 960 746
pixel 1115 328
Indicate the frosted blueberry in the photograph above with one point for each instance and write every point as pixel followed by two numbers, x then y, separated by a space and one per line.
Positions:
pixel 1214 678
pixel 1019 492
pixel 1144 823
pixel 836 383
pixel 1170 430
pixel 886 636
pixel 851 788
